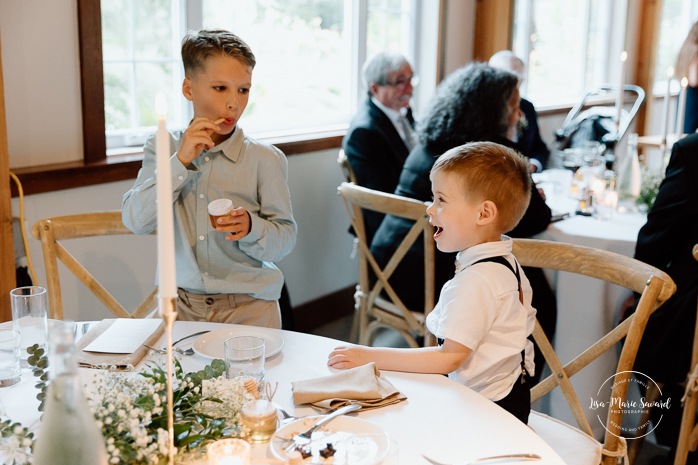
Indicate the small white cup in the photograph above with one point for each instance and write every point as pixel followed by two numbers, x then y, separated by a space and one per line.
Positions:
pixel 30 317
pixel 10 370
pixel 218 208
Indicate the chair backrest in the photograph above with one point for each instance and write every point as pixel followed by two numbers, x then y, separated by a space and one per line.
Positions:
pixel 344 164
pixel 50 231
pixel 394 313
pixel 654 286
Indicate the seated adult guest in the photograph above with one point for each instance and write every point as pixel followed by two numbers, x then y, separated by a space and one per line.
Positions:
pixel 528 137
pixel 381 133
pixel 666 242
pixel 474 103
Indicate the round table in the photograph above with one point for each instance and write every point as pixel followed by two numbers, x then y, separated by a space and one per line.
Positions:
pixel 440 418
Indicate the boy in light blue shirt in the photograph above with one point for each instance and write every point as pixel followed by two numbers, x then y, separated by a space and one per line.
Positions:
pixel 226 274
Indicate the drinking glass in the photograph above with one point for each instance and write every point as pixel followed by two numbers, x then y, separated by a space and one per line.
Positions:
pixel 10 370
pixel 244 358
pixel 30 317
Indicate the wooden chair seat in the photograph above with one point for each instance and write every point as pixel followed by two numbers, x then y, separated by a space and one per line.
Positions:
pixel 51 231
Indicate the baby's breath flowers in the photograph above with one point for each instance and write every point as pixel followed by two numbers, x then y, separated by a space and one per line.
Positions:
pixel 649 186
pixel 130 409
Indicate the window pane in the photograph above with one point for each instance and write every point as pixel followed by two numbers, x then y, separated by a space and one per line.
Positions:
pixel 384 29
pixel 287 37
pixel 140 61
pixel 117 96
pixel 116 29
pixel 675 24
pixel 567 44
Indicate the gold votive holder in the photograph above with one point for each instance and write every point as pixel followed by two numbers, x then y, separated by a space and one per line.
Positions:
pixel 229 452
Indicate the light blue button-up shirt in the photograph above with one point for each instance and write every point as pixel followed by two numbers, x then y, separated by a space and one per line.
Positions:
pixel 253 176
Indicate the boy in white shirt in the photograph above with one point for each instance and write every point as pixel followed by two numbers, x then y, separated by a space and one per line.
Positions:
pixel 484 314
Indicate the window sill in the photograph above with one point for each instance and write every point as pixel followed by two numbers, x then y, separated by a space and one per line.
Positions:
pixel 49 178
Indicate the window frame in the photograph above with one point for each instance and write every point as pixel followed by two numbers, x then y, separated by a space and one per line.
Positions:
pixel 98 168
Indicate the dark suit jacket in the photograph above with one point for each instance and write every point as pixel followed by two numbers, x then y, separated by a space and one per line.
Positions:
pixel 666 241
pixel 376 153
pixel 530 143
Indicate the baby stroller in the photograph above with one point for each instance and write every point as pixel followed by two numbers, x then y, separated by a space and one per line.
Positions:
pixel 592 122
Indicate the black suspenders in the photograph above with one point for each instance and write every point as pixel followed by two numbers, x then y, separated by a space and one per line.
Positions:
pixel 503 261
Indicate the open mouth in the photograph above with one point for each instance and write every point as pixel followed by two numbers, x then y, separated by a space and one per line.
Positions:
pixel 438 232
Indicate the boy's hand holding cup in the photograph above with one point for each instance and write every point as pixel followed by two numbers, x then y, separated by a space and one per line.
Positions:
pixel 218 208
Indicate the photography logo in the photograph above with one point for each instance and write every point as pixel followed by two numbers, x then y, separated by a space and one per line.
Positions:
pixel 603 403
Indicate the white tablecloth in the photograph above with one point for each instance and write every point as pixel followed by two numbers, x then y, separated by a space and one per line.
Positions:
pixel 587 308
pixel 440 418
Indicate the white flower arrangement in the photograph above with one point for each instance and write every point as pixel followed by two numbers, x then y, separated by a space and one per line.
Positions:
pixel 130 411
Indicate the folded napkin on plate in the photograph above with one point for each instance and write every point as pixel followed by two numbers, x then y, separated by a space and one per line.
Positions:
pixel 98 360
pixel 362 385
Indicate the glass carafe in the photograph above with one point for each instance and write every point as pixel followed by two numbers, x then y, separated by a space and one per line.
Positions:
pixel 69 434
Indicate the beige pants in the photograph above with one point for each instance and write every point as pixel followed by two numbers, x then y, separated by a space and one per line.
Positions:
pixel 239 309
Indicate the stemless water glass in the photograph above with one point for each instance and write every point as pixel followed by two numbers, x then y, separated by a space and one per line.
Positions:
pixel 10 370
pixel 244 358
pixel 30 317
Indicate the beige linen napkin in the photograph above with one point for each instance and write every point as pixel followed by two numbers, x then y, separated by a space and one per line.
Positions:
pixel 122 361
pixel 362 385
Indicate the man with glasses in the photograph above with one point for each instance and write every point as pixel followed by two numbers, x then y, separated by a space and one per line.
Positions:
pixel 382 134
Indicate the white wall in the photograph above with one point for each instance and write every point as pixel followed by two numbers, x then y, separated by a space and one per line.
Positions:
pixel 319 264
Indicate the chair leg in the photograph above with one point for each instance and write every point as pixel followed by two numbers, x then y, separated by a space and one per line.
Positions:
pixel 688 434
pixel 651 396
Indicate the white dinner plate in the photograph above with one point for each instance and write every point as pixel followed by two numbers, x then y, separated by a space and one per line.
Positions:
pixel 210 345
pixel 356 441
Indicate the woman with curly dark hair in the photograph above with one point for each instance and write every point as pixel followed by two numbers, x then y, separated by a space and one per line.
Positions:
pixel 474 103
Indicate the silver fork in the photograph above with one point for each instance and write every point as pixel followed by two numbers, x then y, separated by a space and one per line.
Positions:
pixel 494 458
pixel 188 351
pixel 303 438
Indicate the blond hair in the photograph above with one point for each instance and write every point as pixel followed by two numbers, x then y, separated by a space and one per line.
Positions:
pixel 491 171
pixel 197 47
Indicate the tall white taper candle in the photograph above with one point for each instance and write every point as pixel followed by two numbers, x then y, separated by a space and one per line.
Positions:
pixel 682 107
pixel 621 91
pixel 167 286
pixel 665 112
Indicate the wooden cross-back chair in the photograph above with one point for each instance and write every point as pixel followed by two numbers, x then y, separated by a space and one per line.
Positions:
pixel 576 444
pixel 50 231
pixel 377 304
pixel 688 433
pixel 345 166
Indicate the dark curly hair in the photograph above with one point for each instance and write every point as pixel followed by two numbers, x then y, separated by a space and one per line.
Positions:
pixel 469 105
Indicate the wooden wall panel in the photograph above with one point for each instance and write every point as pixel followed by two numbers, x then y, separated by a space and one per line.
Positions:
pixel 493 21
pixel 7 252
pixel 647 40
